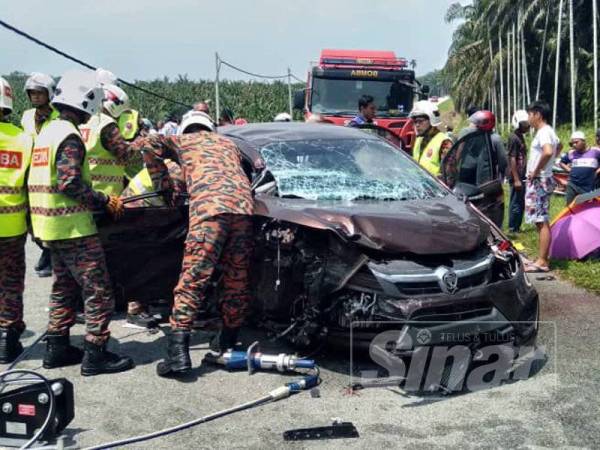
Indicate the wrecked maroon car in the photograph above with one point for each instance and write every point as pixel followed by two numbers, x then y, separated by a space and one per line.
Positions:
pixel 351 235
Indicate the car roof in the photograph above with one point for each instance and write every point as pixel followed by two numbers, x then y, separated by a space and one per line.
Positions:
pixel 259 134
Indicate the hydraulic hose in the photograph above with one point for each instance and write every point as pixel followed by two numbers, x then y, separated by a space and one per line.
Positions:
pixel 276 394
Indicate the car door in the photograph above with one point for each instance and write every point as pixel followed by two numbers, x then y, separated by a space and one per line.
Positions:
pixel 470 168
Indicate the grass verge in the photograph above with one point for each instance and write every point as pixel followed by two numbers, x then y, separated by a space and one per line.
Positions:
pixel 585 274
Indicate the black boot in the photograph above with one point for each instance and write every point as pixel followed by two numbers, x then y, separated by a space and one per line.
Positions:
pixel 60 352
pixel 142 319
pixel 178 360
pixel 226 339
pixel 43 268
pixel 97 360
pixel 10 346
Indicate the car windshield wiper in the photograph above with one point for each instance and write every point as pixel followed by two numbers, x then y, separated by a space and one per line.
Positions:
pixel 339 113
pixel 291 196
pixel 373 197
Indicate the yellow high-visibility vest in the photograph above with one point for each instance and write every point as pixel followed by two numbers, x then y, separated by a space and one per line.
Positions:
pixel 142 184
pixel 28 121
pixel 106 171
pixel 430 157
pixel 55 216
pixel 129 124
pixel 15 152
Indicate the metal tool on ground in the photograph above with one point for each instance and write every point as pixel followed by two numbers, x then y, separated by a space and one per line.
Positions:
pixel 255 360
pixel 337 430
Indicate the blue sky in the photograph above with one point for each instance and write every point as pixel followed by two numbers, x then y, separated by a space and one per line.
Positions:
pixel 147 39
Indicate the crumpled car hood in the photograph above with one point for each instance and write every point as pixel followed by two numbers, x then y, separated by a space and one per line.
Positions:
pixel 438 226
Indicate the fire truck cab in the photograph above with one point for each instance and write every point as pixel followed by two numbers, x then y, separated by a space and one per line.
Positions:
pixel 341 77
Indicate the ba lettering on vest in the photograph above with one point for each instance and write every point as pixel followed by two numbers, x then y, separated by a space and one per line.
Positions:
pixel 40 156
pixel 10 160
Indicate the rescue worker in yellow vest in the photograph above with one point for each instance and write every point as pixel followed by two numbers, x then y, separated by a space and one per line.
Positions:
pixel 107 151
pixel 15 152
pixel 431 143
pixel 109 155
pixel 40 89
pixel 62 202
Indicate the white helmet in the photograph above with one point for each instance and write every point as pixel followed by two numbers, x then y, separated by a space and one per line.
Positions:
pixel 428 109
pixel 282 117
pixel 38 81
pixel 79 90
pixel 6 95
pixel 104 76
pixel 518 117
pixel 116 100
pixel 196 118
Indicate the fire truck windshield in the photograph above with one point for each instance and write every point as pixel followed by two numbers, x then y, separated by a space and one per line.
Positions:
pixel 336 96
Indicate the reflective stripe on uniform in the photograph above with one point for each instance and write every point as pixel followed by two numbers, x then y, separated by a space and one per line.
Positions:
pixel 52 212
pixel 13 209
pixel 104 162
pixel 11 190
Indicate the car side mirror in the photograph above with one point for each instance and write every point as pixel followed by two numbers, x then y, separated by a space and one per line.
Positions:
pixel 300 99
pixel 468 192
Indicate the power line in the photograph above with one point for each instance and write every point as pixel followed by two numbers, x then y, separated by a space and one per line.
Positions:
pixel 85 64
pixel 298 79
pixel 257 75
pixel 268 77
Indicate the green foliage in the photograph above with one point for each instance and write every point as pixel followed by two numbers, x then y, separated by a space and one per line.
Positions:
pixel 254 101
pixel 437 82
pixel 472 68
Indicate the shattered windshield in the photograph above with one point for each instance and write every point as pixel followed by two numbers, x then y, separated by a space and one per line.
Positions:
pixel 347 169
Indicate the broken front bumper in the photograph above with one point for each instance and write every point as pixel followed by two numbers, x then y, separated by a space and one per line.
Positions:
pixel 495 312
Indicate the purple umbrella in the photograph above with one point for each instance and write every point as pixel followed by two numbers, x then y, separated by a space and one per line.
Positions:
pixel 577 235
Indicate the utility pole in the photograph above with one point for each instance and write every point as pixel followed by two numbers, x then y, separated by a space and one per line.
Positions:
pixel 539 80
pixel 291 104
pixel 554 106
pixel 514 67
pixel 217 101
pixel 493 84
pixel 572 58
pixel 595 21
pixel 508 82
pixel 526 89
pixel 501 81
pixel 518 56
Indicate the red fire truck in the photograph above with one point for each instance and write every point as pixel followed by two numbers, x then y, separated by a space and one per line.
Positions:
pixel 341 77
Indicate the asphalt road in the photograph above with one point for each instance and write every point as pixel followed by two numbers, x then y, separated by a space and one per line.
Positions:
pixel 556 408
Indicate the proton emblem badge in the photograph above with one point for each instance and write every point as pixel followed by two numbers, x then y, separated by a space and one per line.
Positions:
pixel 450 280
pixel 424 336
